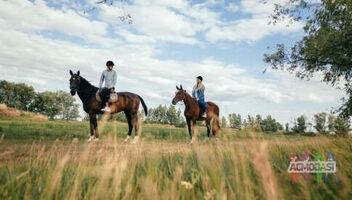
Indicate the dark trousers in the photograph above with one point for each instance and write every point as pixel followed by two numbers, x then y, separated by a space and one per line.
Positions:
pixel 105 95
pixel 202 105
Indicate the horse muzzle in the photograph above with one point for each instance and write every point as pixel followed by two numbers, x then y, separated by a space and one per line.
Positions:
pixel 73 92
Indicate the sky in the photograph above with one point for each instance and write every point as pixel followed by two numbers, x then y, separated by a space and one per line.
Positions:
pixel 168 43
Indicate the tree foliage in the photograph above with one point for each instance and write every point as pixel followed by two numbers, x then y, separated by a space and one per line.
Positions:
pixel 165 115
pixel 235 121
pixel 300 125
pixel 19 96
pixel 58 104
pixel 326 49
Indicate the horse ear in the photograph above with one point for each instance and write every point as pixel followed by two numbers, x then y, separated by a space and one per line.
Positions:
pixel 177 87
pixel 71 73
pixel 78 73
pixel 181 87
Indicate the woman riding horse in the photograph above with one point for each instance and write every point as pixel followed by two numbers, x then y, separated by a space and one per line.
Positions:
pixel 192 113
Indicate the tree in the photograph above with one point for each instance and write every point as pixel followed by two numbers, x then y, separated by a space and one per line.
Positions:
pixel 251 121
pixel 235 121
pixel 331 124
pixel 300 125
pixel 171 115
pixel 68 107
pixel 342 126
pixel 320 122
pixel 46 103
pixel 166 115
pixel 338 125
pixel 245 123
pixel 280 127
pixel 257 122
pixel 269 124
pixel 16 95
pixel 287 127
pixel 325 49
pixel 223 122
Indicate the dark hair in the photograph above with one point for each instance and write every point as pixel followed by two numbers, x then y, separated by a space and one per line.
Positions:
pixel 200 78
pixel 109 63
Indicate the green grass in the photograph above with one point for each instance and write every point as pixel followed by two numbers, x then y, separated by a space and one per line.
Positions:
pixel 52 160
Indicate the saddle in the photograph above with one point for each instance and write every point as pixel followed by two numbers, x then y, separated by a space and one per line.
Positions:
pixel 113 97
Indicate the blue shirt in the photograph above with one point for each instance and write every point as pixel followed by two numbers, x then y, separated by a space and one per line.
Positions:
pixel 198 94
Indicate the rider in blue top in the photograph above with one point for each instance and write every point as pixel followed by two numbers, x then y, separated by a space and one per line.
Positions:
pixel 198 92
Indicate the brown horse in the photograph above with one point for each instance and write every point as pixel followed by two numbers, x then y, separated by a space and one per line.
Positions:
pixel 192 111
pixel 127 102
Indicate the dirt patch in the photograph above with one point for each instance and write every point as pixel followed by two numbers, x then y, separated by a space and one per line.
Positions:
pixel 12 113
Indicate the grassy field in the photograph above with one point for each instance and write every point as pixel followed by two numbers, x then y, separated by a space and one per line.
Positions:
pixel 52 160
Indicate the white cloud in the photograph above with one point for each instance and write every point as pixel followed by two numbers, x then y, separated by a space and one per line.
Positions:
pixel 233 7
pixel 28 56
pixel 253 28
pixel 174 21
pixel 32 17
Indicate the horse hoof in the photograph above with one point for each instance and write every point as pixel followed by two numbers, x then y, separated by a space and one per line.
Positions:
pixel 91 138
pixel 127 138
pixel 135 140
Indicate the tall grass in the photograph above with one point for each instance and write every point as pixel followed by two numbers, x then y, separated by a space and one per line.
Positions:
pixel 59 164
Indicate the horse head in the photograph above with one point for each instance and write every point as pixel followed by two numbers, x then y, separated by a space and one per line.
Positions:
pixel 75 81
pixel 180 95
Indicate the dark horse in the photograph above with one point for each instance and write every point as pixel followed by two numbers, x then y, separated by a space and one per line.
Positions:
pixel 127 102
pixel 192 112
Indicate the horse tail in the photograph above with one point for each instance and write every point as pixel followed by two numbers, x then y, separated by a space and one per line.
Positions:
pixel 144 106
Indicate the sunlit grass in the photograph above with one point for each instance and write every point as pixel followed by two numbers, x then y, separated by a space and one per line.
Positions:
pixel 52 160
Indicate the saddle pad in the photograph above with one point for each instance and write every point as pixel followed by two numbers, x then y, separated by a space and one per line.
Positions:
pixel 113 97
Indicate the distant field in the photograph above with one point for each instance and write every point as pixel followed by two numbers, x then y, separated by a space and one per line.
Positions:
pixel 52 160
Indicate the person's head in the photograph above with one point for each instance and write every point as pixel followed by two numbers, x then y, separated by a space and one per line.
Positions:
pixel 199 79
pixel 110 65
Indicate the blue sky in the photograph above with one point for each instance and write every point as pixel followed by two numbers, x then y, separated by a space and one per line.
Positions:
pixel 168 43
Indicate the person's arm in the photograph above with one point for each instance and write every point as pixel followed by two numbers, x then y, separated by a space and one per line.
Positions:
pixel 101 80
pixel 114 79
pixel 194 92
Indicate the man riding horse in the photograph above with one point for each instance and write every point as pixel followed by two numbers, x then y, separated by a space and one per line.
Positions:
pixel 109 76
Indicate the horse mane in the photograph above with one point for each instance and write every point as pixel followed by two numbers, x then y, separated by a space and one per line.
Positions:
pixel 88 85
pixel 188 94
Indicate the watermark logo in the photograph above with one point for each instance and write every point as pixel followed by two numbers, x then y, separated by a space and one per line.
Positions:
pixel 307 166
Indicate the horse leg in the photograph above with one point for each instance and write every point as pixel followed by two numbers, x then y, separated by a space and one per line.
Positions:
pixel 189 128
pixel 95 123
pixel 93 127
pixel 130 127
pixel 208 131
pixel 193 130
pixel 136 127
pixel 216 128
